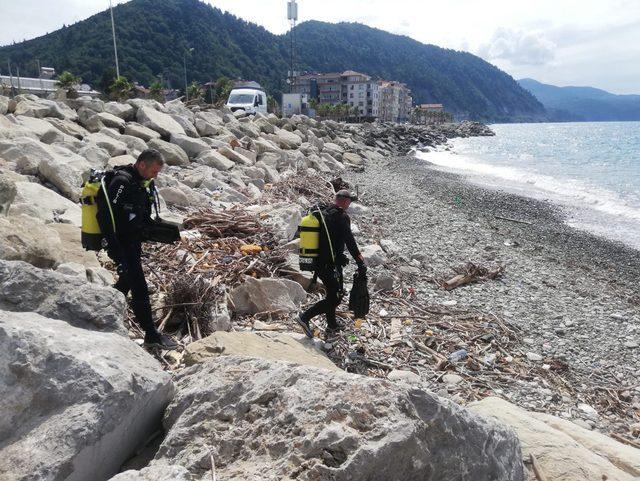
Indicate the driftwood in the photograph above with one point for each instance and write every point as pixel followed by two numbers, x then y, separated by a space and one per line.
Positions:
pixel 537 470
pixel 470 273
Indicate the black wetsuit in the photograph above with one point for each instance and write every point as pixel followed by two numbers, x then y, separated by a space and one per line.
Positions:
pixel 330 267
pixel 131 204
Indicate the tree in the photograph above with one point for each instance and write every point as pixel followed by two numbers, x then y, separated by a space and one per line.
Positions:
pixel 222 88
pixel 272 104
pixel 67 81
pixel 194 91
pixel 156 91
pixel 121 89
pixel 107 79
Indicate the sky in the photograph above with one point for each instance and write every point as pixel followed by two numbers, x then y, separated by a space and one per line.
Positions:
pixel 560 42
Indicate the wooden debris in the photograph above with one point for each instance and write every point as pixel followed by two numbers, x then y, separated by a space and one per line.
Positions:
pixel 470 273
pixel 537 470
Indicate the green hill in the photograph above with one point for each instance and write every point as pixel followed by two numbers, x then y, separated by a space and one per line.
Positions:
pixel 153 36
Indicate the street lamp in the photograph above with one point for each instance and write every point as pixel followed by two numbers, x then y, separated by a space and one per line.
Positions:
pixel 115 48
pixel 184 63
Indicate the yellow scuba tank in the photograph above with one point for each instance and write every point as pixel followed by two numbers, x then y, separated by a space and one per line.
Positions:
pixel 90 232
pixel 309 242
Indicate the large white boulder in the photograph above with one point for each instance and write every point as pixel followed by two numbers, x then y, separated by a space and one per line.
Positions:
pixel 119 109
pixel 25 152
pixel 108 143
pixel 186 124
pixel 136 130
pixel 192 146
pixel 28 239
pixel 65 170
pixel 46 132
pixel 214 159
pixel 68 127
pixel 564 450
pixel 266 295
pixel 262 345
pixel 237 157
pixel 75 403
pixel 25 288
pixel 262 419
pixel 35 200
pixel 173 154
pixel 158 121
pixel 111 121
pixel 287 140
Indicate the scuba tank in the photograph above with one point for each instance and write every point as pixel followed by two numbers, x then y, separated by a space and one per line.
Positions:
pixel 309 242
pixel 311 227
pixel 90 232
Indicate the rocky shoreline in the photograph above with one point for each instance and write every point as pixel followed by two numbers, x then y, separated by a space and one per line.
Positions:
pixel 247 396
pixel 572 294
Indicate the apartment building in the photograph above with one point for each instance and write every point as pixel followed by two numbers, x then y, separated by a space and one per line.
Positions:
pixel 395 102
pixel 387 100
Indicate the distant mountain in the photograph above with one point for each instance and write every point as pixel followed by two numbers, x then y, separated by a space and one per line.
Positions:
pixel 583 103
pixel 153 36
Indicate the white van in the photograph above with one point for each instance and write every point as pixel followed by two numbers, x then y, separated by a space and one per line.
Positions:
pixel 248 99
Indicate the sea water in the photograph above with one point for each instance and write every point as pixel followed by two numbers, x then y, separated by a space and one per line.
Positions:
pixel 592 169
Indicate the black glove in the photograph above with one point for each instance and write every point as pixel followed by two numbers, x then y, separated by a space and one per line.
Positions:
pixel 342 260
pixel 362 268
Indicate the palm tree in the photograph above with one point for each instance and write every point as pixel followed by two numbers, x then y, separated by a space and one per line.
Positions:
pixel 194 91
pixel 67 81
pixel 121 89
pixel 156 91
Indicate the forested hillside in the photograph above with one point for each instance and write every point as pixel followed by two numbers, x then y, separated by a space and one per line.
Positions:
pixel 155 35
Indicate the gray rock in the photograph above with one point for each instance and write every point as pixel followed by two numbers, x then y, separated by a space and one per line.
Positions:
pixel 286 139
pixel 124 111
pixel 157 472
pixel 69 128
pixel 27 239
pixel 384 282
pixel 4 104
pixel 25 288
pixel 318 424
pixel 186 124
pixel 237 157
pixel 214 159
pixel 46 132
pixel 352 159
pixel 96 156
pixel 111 145
pixel 373 255
pixel 266 295
pixel 65 170
pixel 111 120
pixel 192 146
pixel 37 201
pixel 404 376
pixel 136 130
pixel 8 190
pixel 161 123
pixel 92 395
pixel 172 154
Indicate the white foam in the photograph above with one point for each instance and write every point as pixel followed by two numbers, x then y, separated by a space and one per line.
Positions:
pixel 622 217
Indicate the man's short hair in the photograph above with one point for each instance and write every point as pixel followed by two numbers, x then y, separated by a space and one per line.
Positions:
pixel 150 156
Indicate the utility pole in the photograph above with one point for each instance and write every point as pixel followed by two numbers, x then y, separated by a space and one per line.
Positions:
pixel 11 78
pixel 184 64
pixel 292 16
pixel 115 47
pixel 40 75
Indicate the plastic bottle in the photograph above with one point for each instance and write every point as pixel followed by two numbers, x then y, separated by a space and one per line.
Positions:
pixel 457 356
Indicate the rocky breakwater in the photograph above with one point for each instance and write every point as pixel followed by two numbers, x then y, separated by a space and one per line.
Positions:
pixel 78 397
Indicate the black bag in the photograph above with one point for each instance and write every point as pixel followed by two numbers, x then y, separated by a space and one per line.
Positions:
pixel 162 231
pixel 359 296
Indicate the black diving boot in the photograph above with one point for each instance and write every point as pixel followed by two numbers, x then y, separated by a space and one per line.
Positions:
pixel 304 324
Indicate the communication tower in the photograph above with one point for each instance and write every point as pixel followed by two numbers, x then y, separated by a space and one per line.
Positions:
pixel 292 16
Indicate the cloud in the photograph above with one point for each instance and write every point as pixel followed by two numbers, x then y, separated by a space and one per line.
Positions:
pixel 518 47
